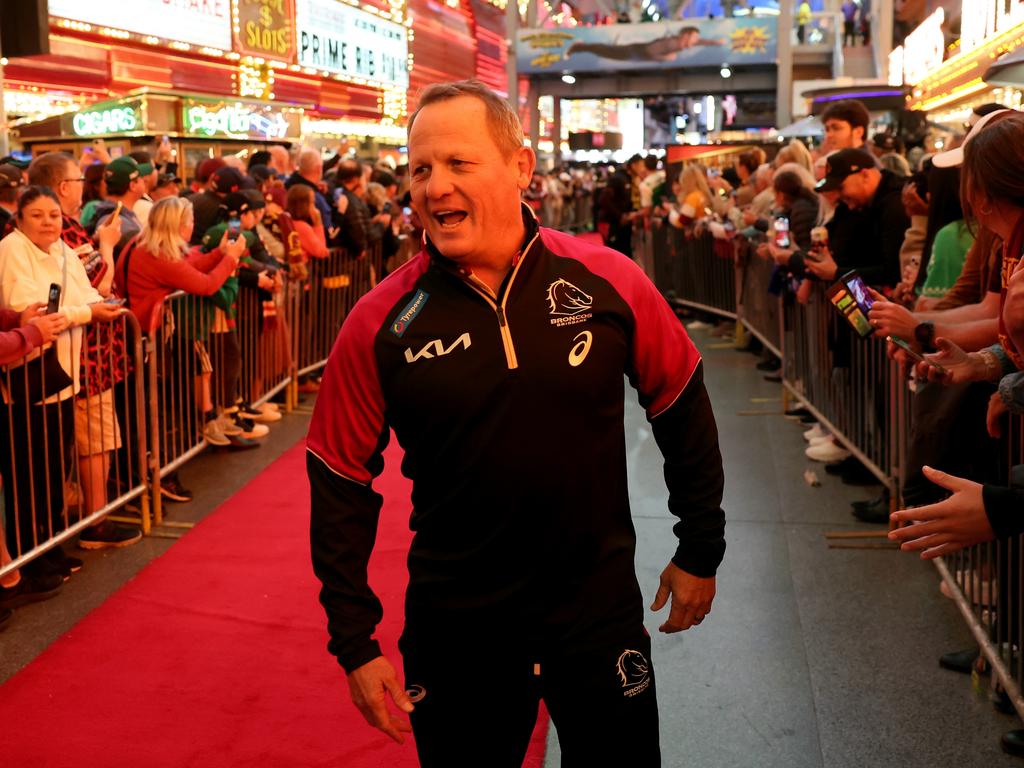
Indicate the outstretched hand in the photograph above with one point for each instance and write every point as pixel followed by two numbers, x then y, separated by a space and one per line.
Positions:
pixel 691 598
pixel 938 529
pixel 370 686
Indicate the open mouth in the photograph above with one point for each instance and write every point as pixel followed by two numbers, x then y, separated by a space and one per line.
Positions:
pixel 450 219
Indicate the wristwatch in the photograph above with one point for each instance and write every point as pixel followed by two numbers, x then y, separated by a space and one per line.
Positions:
pixel 924 333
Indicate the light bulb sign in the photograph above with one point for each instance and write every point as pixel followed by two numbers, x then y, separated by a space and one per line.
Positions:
pixel 344 40
pixel 924 48
pixel 236 120
pixel 122 118
pixel 197 22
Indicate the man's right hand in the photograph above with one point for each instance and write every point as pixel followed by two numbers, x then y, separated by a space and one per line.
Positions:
pixel 370 685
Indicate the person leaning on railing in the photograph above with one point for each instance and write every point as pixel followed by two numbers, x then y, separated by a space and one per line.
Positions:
pixel 992 189
pixel 32 258
pixel 161 262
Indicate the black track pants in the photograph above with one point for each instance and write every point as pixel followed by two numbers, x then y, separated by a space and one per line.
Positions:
pixel 479 709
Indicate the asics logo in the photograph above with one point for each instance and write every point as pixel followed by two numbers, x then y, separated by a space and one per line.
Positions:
pixel 564 298
pixel 580 350
pixel 436 348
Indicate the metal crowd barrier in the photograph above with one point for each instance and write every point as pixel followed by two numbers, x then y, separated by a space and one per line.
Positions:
pixel 692 269
pixel 68 459
pixel 333 287
pixel 864 399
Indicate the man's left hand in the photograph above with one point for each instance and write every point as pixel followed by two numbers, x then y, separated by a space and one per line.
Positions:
pixel 691 598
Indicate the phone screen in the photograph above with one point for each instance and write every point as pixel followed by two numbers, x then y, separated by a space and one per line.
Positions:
pixel 782 232
pixel 845 303
pixel 859 291
pixel 914 354
pixel 234 227
pixel 53 299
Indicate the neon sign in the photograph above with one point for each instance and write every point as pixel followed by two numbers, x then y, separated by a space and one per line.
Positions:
pixel 115 120
pixel 924 49
pixel 237 120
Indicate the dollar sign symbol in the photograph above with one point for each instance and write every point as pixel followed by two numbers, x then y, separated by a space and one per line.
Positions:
pixel 266 17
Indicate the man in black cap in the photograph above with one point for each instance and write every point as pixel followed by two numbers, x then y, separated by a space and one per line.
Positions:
pixel 125 185
pixel 874 195
pixel 206 205
pixel 147 169
pixel 11 182
pixel 167 185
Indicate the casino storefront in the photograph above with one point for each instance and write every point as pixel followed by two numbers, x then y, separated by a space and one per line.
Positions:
pixel 948 81
pixel 225 76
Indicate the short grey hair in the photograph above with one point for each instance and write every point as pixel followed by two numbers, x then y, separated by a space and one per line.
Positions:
pixel 506 130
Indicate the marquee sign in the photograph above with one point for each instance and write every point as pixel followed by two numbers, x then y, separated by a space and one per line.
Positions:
pixel 924 49
pixel 344 40
pixel 265 29
pixel 197 22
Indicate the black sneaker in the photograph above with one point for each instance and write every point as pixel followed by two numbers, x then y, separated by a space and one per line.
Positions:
pixel 62 562
pixel 172 490
pixel 5 618
pixel 32 588
pixel 247 411
pixel 962 661
pixel 109 535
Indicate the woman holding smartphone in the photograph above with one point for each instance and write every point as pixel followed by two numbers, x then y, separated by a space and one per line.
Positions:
pixel 32 258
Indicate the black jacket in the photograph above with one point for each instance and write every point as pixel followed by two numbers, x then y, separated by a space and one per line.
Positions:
pixel 869 239
pixel 510 411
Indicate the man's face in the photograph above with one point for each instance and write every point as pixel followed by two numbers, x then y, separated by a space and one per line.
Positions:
pixel 465 191
pixel 858 189
pixel 839 134
pixel 70 189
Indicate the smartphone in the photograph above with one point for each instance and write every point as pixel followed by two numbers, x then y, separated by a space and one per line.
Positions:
pixel 407 211
pixel 914 354
pixel 114 301
pixel 387 207
pixel 844 302
pixel 782 232
pixel 234 227
pixel 53 299
pixel 859 290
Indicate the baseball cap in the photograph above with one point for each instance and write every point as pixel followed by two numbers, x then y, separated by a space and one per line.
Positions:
pixel 239 202
pixel 260 173
pixel 10 176
pixel 167 178
pixel 843 163
pixel 955 157
pixel 12 160
pixel 121 172
pixel 255 198
pixel 207 168
pixel 227 179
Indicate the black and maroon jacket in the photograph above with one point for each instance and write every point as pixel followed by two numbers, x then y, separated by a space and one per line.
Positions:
pixel 510 411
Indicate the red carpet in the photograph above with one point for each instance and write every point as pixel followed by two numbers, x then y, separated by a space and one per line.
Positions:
pixel 214 655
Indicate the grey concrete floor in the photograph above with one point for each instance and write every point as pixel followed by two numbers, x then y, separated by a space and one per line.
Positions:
pixel 213 477
pixel 811 657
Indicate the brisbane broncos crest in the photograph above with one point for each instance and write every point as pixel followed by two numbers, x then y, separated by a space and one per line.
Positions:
pixel 567 304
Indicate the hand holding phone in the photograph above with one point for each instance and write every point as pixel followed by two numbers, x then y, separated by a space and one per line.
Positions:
pixel 117 212
pixel 53 298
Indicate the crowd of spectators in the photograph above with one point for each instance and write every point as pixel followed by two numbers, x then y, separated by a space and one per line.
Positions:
pixel 938 239
pixel 119 235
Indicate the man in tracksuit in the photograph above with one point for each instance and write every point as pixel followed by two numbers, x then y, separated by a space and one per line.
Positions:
pixel 498 356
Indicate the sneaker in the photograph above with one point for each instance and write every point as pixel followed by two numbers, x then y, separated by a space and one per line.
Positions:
pixel 32 588
pixel 795 414
pixel 247 411
pixel 267 416
pixel 309 386
pixel 172 490
pixel 237 443
pixel 817 440
pixel 109 535
pixel 816 433
pixel 228 425
pixel 270 407
pixel 214 433
pixel 62 562
pixel 827 450
pixel 770 365
pixel 252 430
pixel 697 325
pixel 5 618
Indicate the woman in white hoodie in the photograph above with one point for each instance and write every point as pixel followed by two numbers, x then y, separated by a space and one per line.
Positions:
pixel 36 443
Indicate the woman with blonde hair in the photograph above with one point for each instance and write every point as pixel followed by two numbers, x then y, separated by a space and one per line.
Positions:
pixel 160 262
pixel 795 152
pixel 694 196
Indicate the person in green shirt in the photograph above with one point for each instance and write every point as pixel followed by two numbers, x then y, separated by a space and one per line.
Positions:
pixel 949 251
pixel 948 237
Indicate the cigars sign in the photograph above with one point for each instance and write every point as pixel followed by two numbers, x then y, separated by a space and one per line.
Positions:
pixel 265 28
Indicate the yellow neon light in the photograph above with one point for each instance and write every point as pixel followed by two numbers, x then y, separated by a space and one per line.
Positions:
pixel 960 92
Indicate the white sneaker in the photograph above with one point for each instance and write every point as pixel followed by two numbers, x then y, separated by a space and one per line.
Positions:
pixel 270 407
pixel 820 440
pixel 228 426
pixel 251 430
pixel 266 416
pixel 827 451
pixel 214 433
pixel 816 433
pixel 697 325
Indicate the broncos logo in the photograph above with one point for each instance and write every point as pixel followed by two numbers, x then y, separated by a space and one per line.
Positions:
pixel 632 668
pixel 564 298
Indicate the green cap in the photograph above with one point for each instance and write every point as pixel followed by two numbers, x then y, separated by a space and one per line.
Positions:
pixel 123 171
